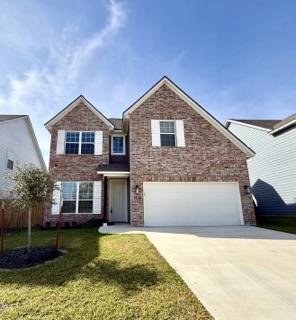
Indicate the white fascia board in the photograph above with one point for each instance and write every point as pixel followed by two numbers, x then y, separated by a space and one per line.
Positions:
pixel 215 123
pixel 71 106
pixel 228 122
pixel 116 174
pixel 283 127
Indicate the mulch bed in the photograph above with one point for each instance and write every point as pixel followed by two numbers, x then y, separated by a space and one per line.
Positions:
pixel 20 258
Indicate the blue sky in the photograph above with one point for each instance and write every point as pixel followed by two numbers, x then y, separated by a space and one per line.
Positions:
pixel 236 58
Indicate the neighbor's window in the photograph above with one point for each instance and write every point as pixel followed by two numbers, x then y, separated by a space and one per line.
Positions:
pixel 167 133
pixel 80 142
pixel 69 190
pixel 77 203
pixel 9 164
pixel 72 142
pixel 118 145
pixel 85 197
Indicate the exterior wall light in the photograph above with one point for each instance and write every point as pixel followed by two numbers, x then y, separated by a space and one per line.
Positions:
pixel 247 189
pixel 137 189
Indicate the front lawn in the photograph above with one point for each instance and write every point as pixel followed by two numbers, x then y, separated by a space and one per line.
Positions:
pixel 285 224
pixel 102 277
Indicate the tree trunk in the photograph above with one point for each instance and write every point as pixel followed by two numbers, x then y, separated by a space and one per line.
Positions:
pixel 29 230
pixel 58 230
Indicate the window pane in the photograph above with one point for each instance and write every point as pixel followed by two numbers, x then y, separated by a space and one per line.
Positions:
pixel 88 137
pixel 72 148
pixel 69 207
pixel 72 136
pixel 85 206
pixel 9 164
pixel 117 145
pixel 167 127
pixel 87 148
pixel 69 190
pixel 86 190
pixel 167 140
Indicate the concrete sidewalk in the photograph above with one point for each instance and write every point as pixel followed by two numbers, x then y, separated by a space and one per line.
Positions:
pixel 236 272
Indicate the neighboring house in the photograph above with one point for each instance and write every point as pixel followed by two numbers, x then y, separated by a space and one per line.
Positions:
pixel 167 162
pixel 273 169
pixel 18 147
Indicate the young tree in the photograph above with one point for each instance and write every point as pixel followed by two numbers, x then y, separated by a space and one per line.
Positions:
pixel 31 188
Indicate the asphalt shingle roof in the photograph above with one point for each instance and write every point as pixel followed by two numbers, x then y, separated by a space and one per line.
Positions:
pixel 5 117
pixel 267 124
pixel 117 122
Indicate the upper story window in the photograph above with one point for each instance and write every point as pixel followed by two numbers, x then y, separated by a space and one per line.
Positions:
pixel 79 142
pixel 88 143
pixel 167 133
pixel 72 143
pixel 118 145
pixel 10 160
pixel 10 164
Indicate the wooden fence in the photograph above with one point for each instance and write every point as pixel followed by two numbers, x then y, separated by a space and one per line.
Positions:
pixel 15 218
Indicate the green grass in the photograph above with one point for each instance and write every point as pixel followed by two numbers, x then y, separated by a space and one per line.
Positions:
pixel 102 277
pixel 285 224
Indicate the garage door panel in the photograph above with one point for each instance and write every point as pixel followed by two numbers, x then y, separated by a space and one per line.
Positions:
pixel 191 204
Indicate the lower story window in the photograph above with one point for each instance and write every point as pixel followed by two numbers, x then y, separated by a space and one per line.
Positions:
pixel 77 197
pixel 85 197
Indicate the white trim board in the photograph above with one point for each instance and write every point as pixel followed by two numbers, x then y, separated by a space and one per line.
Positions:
pixel 198 108
pixel 228 122
pixel 71 106
pixel 283 127
pixel 116 174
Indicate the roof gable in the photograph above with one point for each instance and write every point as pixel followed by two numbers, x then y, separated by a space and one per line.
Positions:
pixel 71 106
pixel 5 118
pixel 193 104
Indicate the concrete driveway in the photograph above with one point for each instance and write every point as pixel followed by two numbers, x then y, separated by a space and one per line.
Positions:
pixel 236 272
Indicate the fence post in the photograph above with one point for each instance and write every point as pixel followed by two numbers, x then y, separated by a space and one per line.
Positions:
pixel 29 229
pixel 2 229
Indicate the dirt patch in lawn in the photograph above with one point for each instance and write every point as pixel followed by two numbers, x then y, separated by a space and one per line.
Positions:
pixel 20 258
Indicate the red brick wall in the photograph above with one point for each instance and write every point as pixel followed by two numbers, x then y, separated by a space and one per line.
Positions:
pixel 208 155
pixel 77 167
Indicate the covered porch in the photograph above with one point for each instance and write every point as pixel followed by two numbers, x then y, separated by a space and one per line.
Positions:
pixel 116 192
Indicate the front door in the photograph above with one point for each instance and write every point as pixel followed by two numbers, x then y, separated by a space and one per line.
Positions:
pixel 118 200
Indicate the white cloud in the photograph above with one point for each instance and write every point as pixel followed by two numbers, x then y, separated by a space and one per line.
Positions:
pixel 99 39
pixel 48 83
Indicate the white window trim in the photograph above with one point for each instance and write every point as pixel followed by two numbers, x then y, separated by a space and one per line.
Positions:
pixel 116 153
pixel 77 197
pixel 175 133
pixel 79 143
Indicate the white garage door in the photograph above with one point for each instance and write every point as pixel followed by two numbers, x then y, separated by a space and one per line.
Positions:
pixel 192 204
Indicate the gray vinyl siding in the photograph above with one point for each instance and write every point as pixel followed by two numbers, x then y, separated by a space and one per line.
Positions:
pixel 272 170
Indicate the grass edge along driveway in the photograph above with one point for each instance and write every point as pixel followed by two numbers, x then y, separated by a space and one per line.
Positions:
pixel 102 277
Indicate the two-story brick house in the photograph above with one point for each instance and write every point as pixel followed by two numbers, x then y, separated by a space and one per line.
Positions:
pixel 167 162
